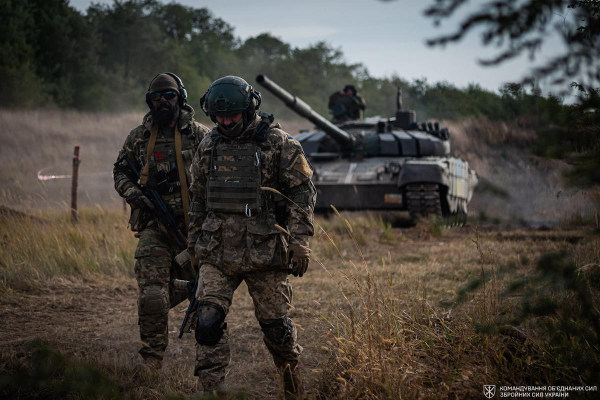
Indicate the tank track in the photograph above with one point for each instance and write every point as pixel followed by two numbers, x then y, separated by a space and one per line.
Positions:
pixel 423 200
pixel 427 199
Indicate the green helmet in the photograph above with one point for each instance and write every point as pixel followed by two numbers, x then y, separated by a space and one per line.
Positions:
pixel 230 95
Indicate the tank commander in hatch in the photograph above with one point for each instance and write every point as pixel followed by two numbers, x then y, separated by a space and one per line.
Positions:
pixel 346 105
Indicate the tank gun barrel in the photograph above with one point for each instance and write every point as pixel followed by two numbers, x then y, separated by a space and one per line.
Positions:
pixel 305 111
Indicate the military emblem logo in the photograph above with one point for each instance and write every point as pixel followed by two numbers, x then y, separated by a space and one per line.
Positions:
pixel 489 391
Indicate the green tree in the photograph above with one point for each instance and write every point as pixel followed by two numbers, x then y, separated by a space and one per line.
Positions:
pixel 103 60
pixel 518 27
pixel 22 87
pixel 521 27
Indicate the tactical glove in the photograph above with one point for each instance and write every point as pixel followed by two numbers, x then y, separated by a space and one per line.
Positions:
pixel 136 199
pixel 298 257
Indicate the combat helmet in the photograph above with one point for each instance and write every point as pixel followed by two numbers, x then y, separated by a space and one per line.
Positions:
pixel 350 87
pixel 230 95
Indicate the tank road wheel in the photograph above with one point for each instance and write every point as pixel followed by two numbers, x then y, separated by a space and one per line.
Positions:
pixel 424 200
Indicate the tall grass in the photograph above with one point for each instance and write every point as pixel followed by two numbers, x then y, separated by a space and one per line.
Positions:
pixel 372 333
pixel 35 250
pixel 381 346
pixel 385 334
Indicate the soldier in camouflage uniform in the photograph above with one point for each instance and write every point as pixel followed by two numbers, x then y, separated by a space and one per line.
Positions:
pixel 232 228
pixel 346 105
pixel 169 125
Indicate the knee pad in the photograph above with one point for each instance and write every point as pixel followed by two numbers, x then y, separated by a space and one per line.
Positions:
pixel 153 300
pixel 211 323
pixel 278 332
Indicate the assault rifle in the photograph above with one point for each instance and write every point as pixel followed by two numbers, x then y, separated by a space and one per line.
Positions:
pixel 190 287
pixel 160 210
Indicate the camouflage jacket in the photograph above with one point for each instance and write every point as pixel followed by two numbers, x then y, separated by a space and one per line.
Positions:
pixel 353 106
pixel 164 159
pixel 236 242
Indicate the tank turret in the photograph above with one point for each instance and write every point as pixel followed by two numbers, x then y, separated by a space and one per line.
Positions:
pixel 383 163
pixel 343 138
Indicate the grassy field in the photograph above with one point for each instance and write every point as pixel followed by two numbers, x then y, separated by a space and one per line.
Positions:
pixel 36 250
pixel 385 312
pixel 43 140
pixel 424 312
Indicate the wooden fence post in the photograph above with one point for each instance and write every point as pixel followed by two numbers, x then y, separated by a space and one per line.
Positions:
pixel 76 162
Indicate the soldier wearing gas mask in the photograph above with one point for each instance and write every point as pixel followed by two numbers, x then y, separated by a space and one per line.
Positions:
pixel 248 179
pixel 161 148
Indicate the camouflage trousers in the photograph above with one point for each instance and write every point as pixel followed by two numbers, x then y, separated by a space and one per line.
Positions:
pixel 154 269
pixel 271 293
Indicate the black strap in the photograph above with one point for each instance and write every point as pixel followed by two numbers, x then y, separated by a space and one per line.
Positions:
pixel 260 135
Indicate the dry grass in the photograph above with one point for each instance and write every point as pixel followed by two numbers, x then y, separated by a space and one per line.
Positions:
pixel 377 319
pixel 36 140
pixel 445 325
pixel 44 139
pixel 34 251
pixel 384 312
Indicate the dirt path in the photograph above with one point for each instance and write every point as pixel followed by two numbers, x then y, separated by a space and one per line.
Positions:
pixel 97 322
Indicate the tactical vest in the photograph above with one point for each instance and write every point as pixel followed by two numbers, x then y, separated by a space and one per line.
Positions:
pixel 234 179
pixel 163 174
pixel 163 169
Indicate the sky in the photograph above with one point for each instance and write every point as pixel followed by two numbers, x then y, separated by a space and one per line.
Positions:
pixel 388 37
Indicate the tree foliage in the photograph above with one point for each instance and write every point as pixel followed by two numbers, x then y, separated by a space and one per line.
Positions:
pixel 518 27
pixel 54 56
pixel 521 27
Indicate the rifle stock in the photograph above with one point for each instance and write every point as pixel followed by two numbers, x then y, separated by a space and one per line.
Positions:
pixel 192 306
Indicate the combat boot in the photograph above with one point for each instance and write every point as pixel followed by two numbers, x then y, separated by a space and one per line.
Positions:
pixel 211 390
pixel 293 388
pixel 147 367
pixel 153 363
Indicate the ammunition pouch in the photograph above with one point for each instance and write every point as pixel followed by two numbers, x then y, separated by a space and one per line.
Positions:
pixel 165 183
pixel 278 205
pixel 234 180
pixel 197 206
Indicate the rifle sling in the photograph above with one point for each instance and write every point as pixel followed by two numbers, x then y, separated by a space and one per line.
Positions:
pixel 149 153
pixel 180 170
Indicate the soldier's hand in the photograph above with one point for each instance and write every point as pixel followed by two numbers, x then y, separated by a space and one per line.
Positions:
pixel 136 199
pixel 298 258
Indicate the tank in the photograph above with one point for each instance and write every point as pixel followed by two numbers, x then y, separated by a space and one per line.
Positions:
pixel 383 163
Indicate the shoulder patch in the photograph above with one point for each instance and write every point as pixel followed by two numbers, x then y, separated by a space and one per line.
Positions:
pixel 301 165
